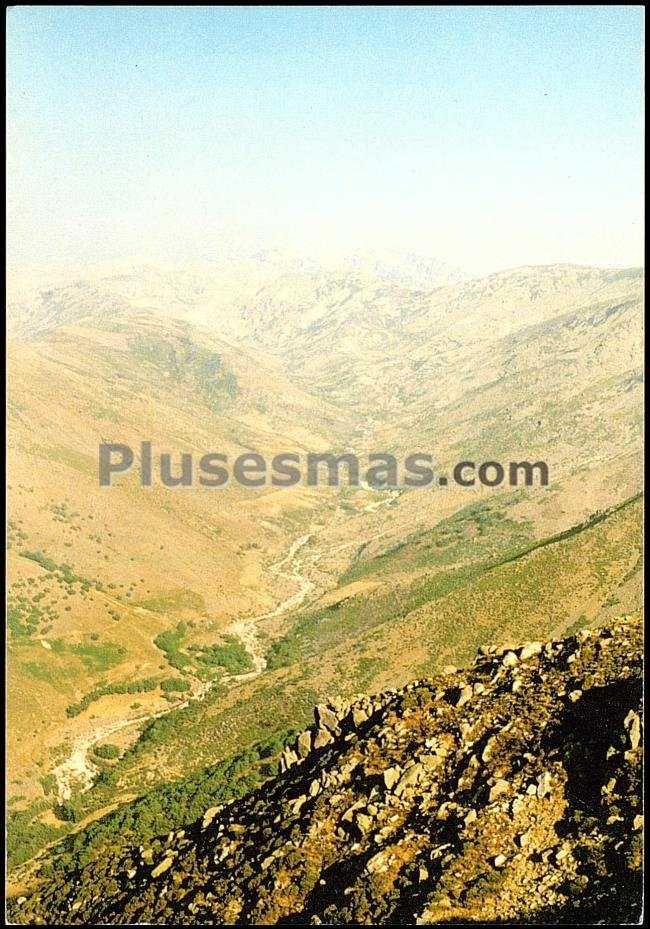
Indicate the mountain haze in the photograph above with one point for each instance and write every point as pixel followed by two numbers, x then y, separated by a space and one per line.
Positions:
pixel 165 644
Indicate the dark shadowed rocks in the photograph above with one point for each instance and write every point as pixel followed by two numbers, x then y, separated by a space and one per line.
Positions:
pixel 456 799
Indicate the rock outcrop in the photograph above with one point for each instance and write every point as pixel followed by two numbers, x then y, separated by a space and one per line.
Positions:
pixel 509 791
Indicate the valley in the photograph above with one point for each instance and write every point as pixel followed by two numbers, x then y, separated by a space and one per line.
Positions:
pixel 159 638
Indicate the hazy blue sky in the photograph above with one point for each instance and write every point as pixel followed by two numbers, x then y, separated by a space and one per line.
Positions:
pixel 488 137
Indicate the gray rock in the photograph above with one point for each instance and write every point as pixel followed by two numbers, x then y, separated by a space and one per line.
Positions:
pixel 209 815
pixel 326 719
pixel 544 784
pixel 465 696
pixel 409 778
pixel 297 803
pixel 471 817
pixel 359 716
pixel 364 822
pixel 500 788
pixel 164 865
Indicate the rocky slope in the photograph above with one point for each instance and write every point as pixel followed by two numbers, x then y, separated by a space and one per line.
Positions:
pixel 509 792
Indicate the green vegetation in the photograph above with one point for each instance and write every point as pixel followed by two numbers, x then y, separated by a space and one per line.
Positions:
pixel 174 601
pixel 24 617
pixel 316 631
pixel 15 535
pixel 48 783
pixel 175 685
pixel 231 655
pixel 166 806
pixel 27 614
pixel 263 718
pixel 104 690
pixel 520 593
pixel 185 362
pixel 472 534
pixel 41 559
pixel 107 751
pixel 27 834
pixel 63 513
pixel 96 658
pixel 169 642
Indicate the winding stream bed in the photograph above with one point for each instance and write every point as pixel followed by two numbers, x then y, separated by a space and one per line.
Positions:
pixel 78 771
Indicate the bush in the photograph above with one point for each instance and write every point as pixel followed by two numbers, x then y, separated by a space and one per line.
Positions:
pixel 232 655
pixel 169 642
pixel 174 685
pixel 107 750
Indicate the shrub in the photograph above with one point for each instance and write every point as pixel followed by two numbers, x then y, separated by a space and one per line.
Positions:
pixel 174 685
pixel 107 750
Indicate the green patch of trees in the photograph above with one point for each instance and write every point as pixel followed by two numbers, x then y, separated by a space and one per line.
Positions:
pixel 104 690
pixel 174 685
pixel 167 806
pixel 170 642
pixel 231 655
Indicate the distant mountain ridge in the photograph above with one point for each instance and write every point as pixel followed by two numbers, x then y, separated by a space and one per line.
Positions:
pixel 124 604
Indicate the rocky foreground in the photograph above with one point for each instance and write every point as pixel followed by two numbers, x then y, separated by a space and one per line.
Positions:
pixel 510 791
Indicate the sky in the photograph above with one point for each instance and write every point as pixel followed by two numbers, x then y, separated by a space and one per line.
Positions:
pixel 487 137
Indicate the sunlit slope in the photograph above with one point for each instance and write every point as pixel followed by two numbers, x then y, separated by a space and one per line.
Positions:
pixel 478 793
pixel 417 618
pixel 384 346
pixel 95 574
pixel 475 577
pixel 120 598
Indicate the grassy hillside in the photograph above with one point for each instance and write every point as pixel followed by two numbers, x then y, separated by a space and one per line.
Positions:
pixel 580 578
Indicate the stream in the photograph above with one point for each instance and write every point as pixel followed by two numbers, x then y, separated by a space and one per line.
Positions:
pixel 78 771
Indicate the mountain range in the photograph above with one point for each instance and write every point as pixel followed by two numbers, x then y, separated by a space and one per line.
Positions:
pixel 164 645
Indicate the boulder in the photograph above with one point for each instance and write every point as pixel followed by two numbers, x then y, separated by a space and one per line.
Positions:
pixel 323 737
pixel 529 650
pixel 164 865
pixel 303 745
pixel 498 789
pixel 633 725
pixel 326 718
pixel 391 777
